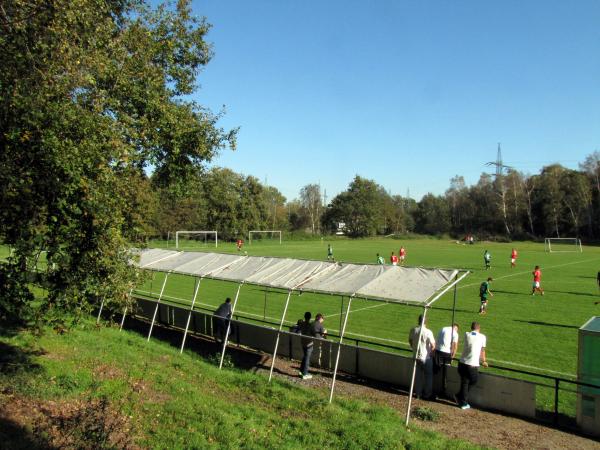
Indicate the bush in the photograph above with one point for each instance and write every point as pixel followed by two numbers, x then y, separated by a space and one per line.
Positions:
pixel 426 414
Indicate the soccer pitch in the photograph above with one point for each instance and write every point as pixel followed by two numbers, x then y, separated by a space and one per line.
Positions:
pixel 526 332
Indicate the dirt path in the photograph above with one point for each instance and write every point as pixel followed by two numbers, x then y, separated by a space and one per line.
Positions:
pixel 476 426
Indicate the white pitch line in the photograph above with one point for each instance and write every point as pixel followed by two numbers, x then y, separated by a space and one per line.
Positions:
pixel 393 341
pixel 528 272
pixel 213 306
pixel 510 363
pixel 378 305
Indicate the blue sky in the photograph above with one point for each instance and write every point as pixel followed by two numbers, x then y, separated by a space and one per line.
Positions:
pixel 408 93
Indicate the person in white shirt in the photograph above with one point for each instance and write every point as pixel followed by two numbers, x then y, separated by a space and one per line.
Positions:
pixel 468 367
pixel 446 350
pixel 423 351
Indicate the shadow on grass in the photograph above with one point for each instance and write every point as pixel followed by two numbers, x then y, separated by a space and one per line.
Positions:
pixel 244 358
pixel 582 294
pixel 468 311
pixel 17 437
pixel 546 324
pixel 203 346
pixel 14 360
pixel 15 366
pixel 8 329
pixel 498 291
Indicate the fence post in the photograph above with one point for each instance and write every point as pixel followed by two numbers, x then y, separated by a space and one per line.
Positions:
pixel 556 382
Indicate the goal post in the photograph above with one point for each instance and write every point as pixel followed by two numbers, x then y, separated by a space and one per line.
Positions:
pixel 270 232
pixel 206 234
pixel 557 245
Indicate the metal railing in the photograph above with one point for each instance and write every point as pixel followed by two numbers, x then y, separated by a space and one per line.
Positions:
pixel 554 381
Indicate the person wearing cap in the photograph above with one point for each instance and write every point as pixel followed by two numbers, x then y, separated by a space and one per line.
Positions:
pixel 473 355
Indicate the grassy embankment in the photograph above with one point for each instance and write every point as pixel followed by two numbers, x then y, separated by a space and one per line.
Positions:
pixel 95 387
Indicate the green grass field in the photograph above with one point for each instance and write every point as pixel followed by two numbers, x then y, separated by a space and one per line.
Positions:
pixel 532 333
pixel 537 334
pixel 96 387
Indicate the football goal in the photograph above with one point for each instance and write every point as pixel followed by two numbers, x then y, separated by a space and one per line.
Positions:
pixel 555 245
pixel 191 239
pixel 260 234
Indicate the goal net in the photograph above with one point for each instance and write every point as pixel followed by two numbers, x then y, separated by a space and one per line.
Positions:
pixel 555 245
pixel 196 239
pixel 259 235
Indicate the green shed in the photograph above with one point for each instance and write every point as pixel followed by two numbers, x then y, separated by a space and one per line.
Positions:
pixel 588 371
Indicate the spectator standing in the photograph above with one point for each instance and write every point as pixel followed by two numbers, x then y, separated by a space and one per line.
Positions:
pixel 221 319
pixel 320 332
pixel 305 329
pixel 329 253
pixel 447 344
pixel 423 352
pixel 468 368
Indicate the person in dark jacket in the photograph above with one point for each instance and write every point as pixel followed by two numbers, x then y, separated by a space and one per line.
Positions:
pixel 221 319
pixel 305 329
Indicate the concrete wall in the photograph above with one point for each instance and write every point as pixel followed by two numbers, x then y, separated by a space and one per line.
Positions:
pixel 491 392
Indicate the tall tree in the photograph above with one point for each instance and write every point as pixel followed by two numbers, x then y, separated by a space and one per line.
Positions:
pixel 528 185
pixel 275 205
pixel 432 215
pixel 549 197
pixel 89 92
pixel 360 208
pixel 577 199
pixel 311 199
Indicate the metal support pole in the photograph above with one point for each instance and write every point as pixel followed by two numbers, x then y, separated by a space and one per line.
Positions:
pixel 556 382
pixel 100 312
pixel 162 290
pixel 125 311
pixel 187 325
pixel 265 307
pixel 412 383
pixel 341 311
pixel 337 357
pixel 237 294
pixel 287 302
pixel 445 368
pixel 123 318
pixel 453 311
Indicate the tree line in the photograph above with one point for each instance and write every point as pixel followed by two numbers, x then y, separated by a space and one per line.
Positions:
pixel 556 202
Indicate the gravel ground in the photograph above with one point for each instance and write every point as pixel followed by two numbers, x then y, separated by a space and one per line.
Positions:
pixel 476 426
